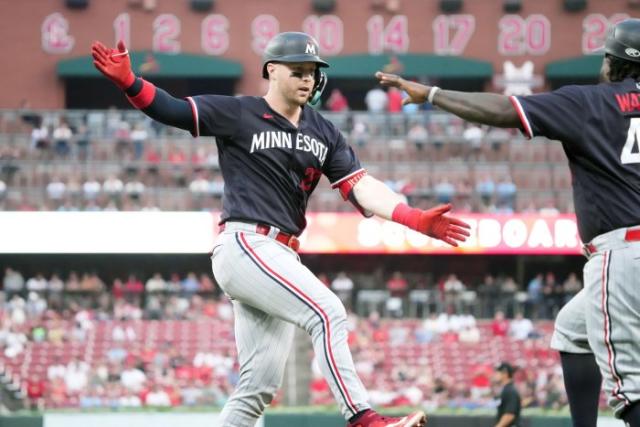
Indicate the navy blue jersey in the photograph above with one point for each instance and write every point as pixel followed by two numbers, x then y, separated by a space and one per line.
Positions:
pixel 270 167
pixel 598 126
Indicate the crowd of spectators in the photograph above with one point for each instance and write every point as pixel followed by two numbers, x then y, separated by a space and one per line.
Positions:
pixel 395 374
pixel 134 370
pixel 117 160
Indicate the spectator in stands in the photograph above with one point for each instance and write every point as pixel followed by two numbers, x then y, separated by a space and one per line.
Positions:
pixel 56 190
pixel 90 282
pixel 57 333
pixel 35 387
pixel 36 305
pixel 133 288
pixel 206 284
pixel 12 283
pixel 535 295
pixel 337 102
pixel 38 283
pixel 473 136
pixel 453 289
pixel 469 334
pixel 62 136
pixel 200 186
pixel 76 376
pixel 83 142
pixel 418 135
pixel 129 400
pixel 16 308
pixel 499 325
pixel 56 369
pixel 113 187
pixel 508 289
pixel 122 137
pixel 40 139
pixel 571 286
pixel 134 189
pixel 174 284
pixel 376 100
pixel 552 295
pixel 3 190
pixel 520 327
pixel 360 133
pixel 397 285
pixel 139 137
pixel 158 397
pixel 156 284
pixel 91 188
pixel 133 378
pixel 342 286
pixel 190 284
pixel 216 186
pixel 506 194
pixel 444 190
pixel 123 332
pixel 485 188
pixel 191 392
pixel 394 100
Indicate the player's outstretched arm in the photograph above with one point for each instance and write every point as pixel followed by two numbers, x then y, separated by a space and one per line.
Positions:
pixel 115 64
pixel 374 196
pixel 486 108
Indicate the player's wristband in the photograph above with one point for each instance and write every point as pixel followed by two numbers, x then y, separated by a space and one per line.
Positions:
pixel 145 97
pixel 432 93
pixel 406 215
pixel 129 81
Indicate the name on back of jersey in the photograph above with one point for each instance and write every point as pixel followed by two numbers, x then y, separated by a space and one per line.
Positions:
pixel 278 139
pixel 628 102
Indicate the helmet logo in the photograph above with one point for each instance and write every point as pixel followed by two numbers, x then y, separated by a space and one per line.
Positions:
pixel 634 53
pixel 311 49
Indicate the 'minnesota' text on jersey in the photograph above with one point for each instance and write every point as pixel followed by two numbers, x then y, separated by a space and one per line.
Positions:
pixel 269 166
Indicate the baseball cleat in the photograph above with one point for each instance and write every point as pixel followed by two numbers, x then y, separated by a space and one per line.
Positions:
pixel 373 419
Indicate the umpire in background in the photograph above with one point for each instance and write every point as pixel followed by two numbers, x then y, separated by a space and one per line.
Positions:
pixel 510 403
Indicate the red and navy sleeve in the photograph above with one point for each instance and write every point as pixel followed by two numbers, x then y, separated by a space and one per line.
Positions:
pixel 556 115
pixel 344 170
pixel 215 115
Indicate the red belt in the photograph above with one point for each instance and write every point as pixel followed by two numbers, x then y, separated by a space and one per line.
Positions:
pixel 289 240
pixel 632 235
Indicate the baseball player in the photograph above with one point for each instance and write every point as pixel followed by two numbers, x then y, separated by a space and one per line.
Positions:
pixel 273 151
pixel 598 126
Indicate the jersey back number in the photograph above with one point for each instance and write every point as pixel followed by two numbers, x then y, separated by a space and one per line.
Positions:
pixel 631 150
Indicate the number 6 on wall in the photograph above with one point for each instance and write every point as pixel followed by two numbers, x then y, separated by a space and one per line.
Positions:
pixel 628 156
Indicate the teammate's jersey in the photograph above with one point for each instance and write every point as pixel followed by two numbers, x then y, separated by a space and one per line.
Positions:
pixel 598 126
pixel 270 167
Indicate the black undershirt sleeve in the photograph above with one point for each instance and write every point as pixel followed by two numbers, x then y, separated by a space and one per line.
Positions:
pixel 166 108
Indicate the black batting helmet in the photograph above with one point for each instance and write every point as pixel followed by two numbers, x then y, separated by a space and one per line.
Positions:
pixel 291 47
pixel 623 40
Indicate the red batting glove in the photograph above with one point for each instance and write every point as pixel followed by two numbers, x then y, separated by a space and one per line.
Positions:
pixel 432 222
pixel 114 63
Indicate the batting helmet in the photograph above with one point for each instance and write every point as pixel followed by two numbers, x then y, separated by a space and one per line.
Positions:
pixel 623 40
pixel 296 47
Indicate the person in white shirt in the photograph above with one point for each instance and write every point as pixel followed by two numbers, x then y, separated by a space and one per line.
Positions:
pixel 376 100
pixel 56 370
pixel 520 327
pixel 158 397
pixel 342 285
pixel 133 379
pixel 76 376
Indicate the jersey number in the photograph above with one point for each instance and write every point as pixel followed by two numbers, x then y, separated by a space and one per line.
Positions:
pixel 631 149
pixel 311 176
